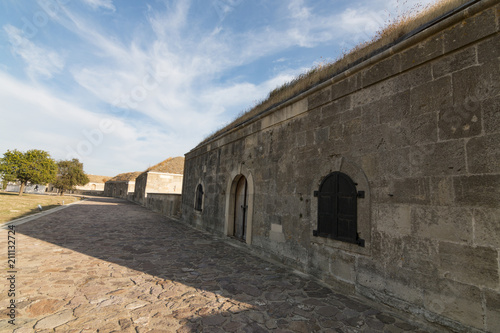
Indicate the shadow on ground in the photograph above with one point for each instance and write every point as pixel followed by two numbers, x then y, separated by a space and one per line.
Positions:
pixel 191 279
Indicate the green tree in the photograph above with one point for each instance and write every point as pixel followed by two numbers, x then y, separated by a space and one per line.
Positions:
pixel 70 174
pixel 34 166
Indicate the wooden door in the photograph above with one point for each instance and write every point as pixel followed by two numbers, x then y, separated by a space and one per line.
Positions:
pixel 240 209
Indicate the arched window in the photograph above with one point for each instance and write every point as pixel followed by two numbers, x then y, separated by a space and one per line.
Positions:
pixel 337 209
pixel 199 198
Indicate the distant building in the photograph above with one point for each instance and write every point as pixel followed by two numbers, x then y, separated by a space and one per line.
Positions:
pixel 94 186
pixel 121 185
pixel 164 177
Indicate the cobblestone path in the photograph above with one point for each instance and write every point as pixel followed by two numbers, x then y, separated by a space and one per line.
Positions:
pixel 106 265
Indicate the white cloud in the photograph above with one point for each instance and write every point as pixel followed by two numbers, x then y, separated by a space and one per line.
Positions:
pixel 40 61
pixel 96 4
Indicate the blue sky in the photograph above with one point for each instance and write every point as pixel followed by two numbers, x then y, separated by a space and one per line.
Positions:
pixel 124 84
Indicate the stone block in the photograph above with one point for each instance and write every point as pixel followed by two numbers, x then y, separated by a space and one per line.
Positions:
pixel 424 51
pixel 445 158
pixel 476 266
pixel 459 302
pixel 336 107
pixel 321 135
pixel 454 62
pixel 406 284
pixel 442 193
pixel 431 96
pixel 370 274
pixel 391 108
pixel 342 266
pixel 470 30
pixel 394 163
pixel 420 255
pixel 421 129
pixel 408 191
pixel 483 154
pixel 319 98
pixel 487 50
pixel 374 92
pixel 369 117
pixel 459 121
pixel 442 223
pixel 478 191
pixel 487 227
pixel 491 115
pixel 393 220
pixel 346 86
pixel 492 310
pixel 474 84
pixel 381 70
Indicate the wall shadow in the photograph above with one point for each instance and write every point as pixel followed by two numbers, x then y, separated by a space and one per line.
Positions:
pixel 120 232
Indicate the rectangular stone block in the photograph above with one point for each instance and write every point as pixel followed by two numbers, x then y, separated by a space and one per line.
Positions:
pixel 346 86
pixel 460 121
pixel 381 70
pixel 492 310
pixel 487 227
pixel 393 220
pixel 442 193
pixel 342 266
pixel 336 107
pixel 487 50
pixel 491 115
pixel 479 191
pixel 454 300
pixel 420 255
pixel 474 84
pixel 470 30
pixel 445 158
pixel 483 154
pixel 424 51
pixel 442 223
pixel 319 98
pixel 408 190
pixel 454 62
pixel 477 266
pixel 370 274
pixel 431 96
pixel 392 108
pixel 421 129
pixel 394 163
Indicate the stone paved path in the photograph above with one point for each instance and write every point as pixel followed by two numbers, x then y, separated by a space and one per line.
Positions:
pixel 106 265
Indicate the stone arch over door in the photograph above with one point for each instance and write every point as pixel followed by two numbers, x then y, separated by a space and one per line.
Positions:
pixel 236 192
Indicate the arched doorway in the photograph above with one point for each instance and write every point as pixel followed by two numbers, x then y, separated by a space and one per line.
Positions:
pixel 240 209
pixel 239 206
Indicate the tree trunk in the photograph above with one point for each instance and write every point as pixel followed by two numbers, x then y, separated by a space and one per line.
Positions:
pixel 21 188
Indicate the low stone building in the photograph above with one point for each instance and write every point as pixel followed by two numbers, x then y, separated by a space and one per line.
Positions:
pixel 121 186
pixel 164 177
pixel 94 186
pixel 383 180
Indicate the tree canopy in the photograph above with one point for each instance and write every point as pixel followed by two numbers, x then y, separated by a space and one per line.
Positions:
pixel 34 166
pixel 69 175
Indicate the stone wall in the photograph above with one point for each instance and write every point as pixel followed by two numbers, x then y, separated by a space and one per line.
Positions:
pixel 119 189
pixel 156 182
pixel 417 128
pixel 167 204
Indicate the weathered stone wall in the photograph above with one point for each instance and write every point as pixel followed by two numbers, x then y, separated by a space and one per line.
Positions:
pixel 417 127
pixel 118 189
pixel 156 182
pixel 166 204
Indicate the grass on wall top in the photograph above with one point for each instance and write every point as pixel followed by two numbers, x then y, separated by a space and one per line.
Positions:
pixel 395 28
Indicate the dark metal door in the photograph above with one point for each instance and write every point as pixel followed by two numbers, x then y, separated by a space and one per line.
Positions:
pixel 337 208
pixel 240 209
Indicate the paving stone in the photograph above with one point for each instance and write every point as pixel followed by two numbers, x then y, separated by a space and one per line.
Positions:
pixel 130 270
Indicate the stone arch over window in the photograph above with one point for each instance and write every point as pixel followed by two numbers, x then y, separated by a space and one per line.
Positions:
pixel 350 169
pixel 337 208
pixel 239 205
pixel 199 196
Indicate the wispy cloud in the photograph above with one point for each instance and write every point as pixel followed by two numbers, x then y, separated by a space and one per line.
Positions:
pixel 40 61
pixel 96 4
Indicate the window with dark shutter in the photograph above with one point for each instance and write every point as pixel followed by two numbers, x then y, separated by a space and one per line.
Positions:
pixel 199 198
pixel 337 209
